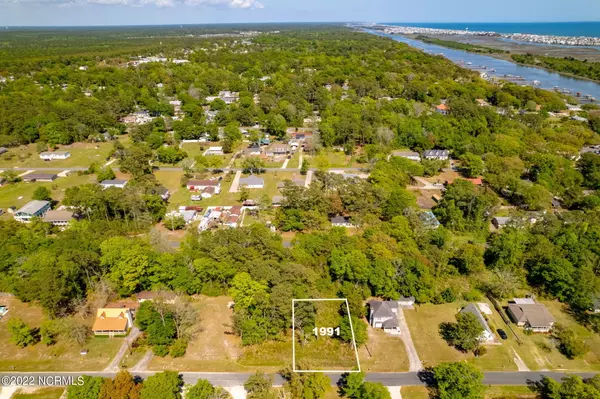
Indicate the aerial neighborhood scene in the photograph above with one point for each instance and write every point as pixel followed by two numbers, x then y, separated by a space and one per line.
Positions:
pixel 208 209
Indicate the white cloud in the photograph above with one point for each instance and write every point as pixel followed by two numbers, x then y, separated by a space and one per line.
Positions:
pixel 242 4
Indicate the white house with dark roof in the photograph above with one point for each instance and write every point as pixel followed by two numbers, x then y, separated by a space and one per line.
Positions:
pixel 487 336
pixel 412 155
pixel 113 183
pixel 252 182
pixel 50 156
pixel 32 209
pixel 442 155
pixel 384 314
pixel 341 221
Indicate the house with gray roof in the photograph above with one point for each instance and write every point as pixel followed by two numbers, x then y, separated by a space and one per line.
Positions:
pixel 32 209
pixel 442 155
pixel 412 155
pixel 114 183
pixel 31 177
pixel 531 315
pixel 341 221
pixel 252 182
pixel 487 335
pixel 384 314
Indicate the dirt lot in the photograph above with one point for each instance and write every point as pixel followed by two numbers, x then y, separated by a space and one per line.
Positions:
pixel 213 347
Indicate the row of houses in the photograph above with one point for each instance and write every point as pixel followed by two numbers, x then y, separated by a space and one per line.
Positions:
pixel 442 155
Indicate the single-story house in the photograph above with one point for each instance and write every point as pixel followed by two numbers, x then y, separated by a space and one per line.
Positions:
pixel 163 192
pixel 32 209
pixel 58 218
pixel 442 109
pixel 277 149
pixel 113 183
pixel 165 296
pixel 49 156
pixel 412 155
pixel 478 181
pixel 31 177
pixel 429 220
pixel 384 314
pixel 208 192
pixel 341 221
pixel 199 185
pixel 112 321
pixel 487 335
pixel 530 315
pixel 501 221
pixel 436 154
pixel 214 151
pixel 252 182
pixel 253 150
pixel 277 200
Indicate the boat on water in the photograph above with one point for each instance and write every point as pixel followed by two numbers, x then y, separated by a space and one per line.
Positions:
pixel 469 63
pixel 536 83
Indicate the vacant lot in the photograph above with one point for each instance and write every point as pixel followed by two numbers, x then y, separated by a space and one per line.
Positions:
pixel 432 349
pixel 213 347
pixel 495 392
pixel 63 356
pixel 82 154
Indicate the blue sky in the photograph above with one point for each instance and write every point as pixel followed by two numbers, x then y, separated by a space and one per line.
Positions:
pixel 139 12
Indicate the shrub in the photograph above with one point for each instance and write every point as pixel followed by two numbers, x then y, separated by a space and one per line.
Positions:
pixel 178 348
pixel 160 350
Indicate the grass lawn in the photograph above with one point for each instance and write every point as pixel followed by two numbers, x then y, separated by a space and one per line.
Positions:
pixel 130 360
pixel 330 159
pixel 40 393
pixel 294 161
pixel 414 393
pixel 63 356
pixel 19 194
pixel 385 353
pixel 82 154
pixel 493 392
pixel 534 350
pixel 424 327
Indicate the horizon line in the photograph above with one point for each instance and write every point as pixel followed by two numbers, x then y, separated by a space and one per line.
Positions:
pixel 7 27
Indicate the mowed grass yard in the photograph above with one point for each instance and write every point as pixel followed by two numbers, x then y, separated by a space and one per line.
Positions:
pixel 534 349
pixel 424 322
pixel 18 194
pixel 62 356
pixel 493 392
pixel 82 154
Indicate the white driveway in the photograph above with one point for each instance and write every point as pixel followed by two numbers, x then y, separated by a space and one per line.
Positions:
pixel 235 185
pixel 414 361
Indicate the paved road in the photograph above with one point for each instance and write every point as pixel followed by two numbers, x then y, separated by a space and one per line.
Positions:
pixel 387 379
pixel 169 169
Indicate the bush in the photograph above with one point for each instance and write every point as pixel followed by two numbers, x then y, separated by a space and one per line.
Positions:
pixel 568 343
pixel 160 350
pixel 178 348
pixel 472 296
pixel 20 333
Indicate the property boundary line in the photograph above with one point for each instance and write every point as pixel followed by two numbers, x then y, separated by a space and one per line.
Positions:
pixel 294 337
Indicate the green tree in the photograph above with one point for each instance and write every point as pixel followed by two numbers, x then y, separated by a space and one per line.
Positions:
pixel 472 165
pixel 205 390
pixel 89 389
pixel 170 155
pixel 465 333
pixel 350 385
pixel 458 380
pixel 253 165
pixel 304 167
pixel 20 333
pixel 42 193
pixel 374 390
pixel 360 331
pixel 260 386
pixel 244 193
pixel 174 222
pixel 163 385
pixel 105 173
pixel 568 343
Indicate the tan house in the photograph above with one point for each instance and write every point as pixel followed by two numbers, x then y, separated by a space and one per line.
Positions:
pixel 112 321
pixel 526 313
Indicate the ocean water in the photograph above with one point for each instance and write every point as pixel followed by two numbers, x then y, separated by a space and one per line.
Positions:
pixel 591 29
